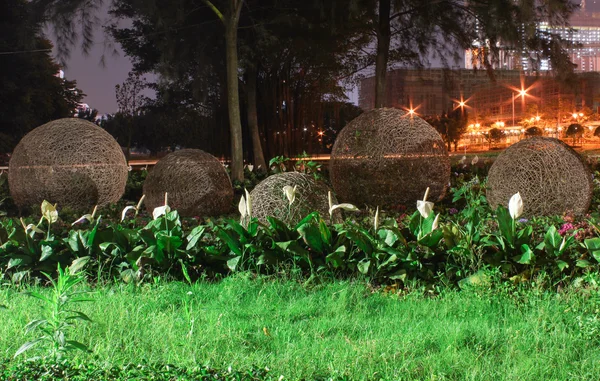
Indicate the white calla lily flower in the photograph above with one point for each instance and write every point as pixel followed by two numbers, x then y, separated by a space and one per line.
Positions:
pixel 515 206
pixel 49 212
pixel 88 217
pixel 30 227
pixel 160 210
pixel 124 212
pixel 348 207
pixel 423 206
pixel 475 160
pixel 130 207
pixel 250 167
pixel 290 193
pixel 376 220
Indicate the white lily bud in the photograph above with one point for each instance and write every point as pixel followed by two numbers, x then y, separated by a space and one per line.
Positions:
pixel 290 193
pixel 248 204
pixel 515 206
pixel 435 222
pixel 475 160
pixel 124 212
pixel 563 243
pixel 376 221
pixel 250 167
pixel 329 199
pixel 242 207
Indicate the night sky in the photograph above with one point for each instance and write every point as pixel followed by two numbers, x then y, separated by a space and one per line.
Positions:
pixel 96 81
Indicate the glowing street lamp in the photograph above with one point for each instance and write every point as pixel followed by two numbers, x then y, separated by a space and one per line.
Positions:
pixel 521 93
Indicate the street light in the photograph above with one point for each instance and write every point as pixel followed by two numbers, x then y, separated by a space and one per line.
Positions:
pixel 522 94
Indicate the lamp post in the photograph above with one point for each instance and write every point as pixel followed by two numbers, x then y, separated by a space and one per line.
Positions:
pixel 522 94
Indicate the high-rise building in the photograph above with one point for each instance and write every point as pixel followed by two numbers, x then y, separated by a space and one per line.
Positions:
pixel 584 34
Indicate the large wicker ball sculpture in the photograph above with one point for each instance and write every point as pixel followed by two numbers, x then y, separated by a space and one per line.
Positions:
pixel 386 157
pixel 196 182
pixel 269 199
pixel 550 176
pixel 71 162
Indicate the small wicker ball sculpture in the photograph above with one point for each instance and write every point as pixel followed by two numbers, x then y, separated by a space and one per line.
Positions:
pixel 550 176
pixel 386 157
pixel 269 199
pixel 69 161
pixel 196 182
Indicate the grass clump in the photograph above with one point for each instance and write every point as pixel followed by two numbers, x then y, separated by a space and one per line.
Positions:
pixel 341 330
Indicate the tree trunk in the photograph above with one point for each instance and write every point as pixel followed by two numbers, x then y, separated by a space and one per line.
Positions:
pixel 383 51
pixel 233 97
pixel 259 158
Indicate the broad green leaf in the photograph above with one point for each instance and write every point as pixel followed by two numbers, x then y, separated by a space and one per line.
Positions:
pixel 47 251
pixel 234 245
pixel 233 262
pixel 363 266
pixel 562 265
pixel 593 246
pixel 527 255
pixel 14 262
pixel 77 345
pixel 194 236
pixel 78 264
pixel 312 237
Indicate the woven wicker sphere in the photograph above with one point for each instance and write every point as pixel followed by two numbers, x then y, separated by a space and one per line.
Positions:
pixel 385 157
pixel 196 182
pixel 69 161
pixel 268 198
pixel 550 176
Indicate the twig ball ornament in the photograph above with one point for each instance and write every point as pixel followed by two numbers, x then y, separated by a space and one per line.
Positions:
pixel 550 176
pixel 387 157
pixel 70 161
pixel 269 199
pixel 196 182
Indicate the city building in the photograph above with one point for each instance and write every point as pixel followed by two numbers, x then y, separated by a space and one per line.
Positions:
pixel 583 34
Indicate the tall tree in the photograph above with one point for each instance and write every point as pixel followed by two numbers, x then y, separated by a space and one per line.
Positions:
pixel 32 91
pixel 130 99
pixel 230 18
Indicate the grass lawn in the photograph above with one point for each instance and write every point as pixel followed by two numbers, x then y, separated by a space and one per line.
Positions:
pixel 334 329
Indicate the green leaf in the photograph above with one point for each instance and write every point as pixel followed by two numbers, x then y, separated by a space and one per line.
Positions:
pixel 32 325
pixel 234 245
pixel 505 223
pixel 27 346
pixel 312 237
pixel 527 255
pixel 77 345
pixel 363 266
pixel 78 264
pixel 194 236
pixel 562 265
pixel 47 251
pixel 593 246
pixel 184 270
pixel 14 262
pixel 233 262
pixel 583 263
